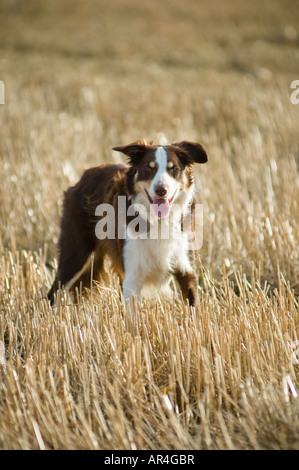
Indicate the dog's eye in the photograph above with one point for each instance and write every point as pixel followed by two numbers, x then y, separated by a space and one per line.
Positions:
pixel 147 168
pixel 173 169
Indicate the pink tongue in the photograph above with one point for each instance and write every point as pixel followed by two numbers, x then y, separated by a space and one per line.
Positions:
pixel 161 208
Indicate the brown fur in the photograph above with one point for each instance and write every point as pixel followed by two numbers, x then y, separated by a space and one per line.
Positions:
pixel 77 237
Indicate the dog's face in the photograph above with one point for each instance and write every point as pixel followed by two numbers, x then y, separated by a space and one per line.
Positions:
pixel 161 175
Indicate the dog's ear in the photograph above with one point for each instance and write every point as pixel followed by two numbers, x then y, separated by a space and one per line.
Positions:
pixel 191 152
pixel 134 151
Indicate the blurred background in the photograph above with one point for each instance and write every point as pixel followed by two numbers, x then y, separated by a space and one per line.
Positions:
pixel 81 77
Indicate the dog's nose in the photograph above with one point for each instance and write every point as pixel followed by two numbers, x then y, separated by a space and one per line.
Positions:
pixel 160 191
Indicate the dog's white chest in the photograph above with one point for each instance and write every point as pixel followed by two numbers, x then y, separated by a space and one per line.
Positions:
pixel 149 262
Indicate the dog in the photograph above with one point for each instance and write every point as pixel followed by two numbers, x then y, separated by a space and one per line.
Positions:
pixel 156 189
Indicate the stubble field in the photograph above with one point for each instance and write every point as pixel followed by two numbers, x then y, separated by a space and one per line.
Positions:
pixel 81 77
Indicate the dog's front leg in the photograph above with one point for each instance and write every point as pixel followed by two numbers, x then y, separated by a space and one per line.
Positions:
pixel 133 280
pixel 131 286
pixel 188 283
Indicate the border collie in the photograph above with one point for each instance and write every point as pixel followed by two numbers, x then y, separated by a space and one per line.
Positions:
pixel 156 189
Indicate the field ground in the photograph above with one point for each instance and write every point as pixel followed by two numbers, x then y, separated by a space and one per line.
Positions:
pixel 81 77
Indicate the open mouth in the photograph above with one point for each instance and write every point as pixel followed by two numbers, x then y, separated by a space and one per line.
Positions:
pixel 161 206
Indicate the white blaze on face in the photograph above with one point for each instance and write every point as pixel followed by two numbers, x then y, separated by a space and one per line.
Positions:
pixel 161 177
pixel 162 205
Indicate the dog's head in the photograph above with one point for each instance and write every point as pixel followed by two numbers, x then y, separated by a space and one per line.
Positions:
pixel 161 175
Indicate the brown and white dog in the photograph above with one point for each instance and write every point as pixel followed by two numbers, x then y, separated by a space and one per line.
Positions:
pixel 157 192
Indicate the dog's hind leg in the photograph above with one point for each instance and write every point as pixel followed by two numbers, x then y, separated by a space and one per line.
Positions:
pixel 53 290
pixel 76 244
pixel 69 272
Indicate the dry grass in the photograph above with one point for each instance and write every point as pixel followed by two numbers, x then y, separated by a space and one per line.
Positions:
pixel 80 78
